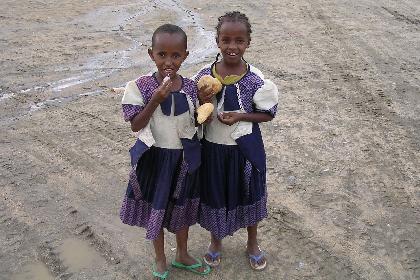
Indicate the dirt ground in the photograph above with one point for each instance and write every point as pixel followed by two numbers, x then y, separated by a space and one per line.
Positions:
pixel 343 152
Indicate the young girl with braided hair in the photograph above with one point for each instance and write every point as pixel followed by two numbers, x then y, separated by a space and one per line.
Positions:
pixel 233 171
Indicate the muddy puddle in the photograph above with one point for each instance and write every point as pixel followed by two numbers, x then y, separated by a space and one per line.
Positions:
pixel 77 255
pixel 34 271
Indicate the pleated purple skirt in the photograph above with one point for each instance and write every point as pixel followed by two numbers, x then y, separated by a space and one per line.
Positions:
pixel 161 193
pixel 233 193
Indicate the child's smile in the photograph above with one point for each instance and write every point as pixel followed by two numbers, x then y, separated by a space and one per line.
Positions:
pixel 232 54
pixel 233 40
pixel 168 53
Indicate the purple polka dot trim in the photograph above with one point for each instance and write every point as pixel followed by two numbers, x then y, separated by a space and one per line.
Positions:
pixel 147 86
pixel 130 111
pixel 190 89
pixel 248 85
pixel 222 223
pixel 247 175
pixel 141 213
pixel 134 183
pixel 181 177
pixel 183 216
pixel 203 72
pixel 272 111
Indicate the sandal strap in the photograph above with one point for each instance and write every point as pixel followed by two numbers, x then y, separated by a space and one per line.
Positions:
pixel 257 258
pixel 198 264
pixel 194 267
pixel 213 255
pixel 162 275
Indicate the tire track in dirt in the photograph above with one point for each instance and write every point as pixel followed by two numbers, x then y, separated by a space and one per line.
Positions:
pixel 41 180
pixel 401 17
pixel 376 109
pixel 36 236
pixel 371 105
pixel 34 201
pixel 327 234
pixel 321 263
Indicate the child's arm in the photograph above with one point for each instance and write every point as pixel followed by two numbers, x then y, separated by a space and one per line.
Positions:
pixel 265 102
pixel 141 120
pixel 230 118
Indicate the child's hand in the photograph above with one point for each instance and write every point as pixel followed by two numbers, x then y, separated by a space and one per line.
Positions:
pixel 207 87
pixel 162 91
pixel 208 120
pixel 205 93
pixel 229 118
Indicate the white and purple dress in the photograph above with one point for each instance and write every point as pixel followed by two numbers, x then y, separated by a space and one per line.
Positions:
pixel 162 189
pixel 233 191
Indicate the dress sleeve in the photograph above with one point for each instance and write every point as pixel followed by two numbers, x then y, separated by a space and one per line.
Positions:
pixel 196 102
pixel 132 101
pixel 266 98
pixel 206 70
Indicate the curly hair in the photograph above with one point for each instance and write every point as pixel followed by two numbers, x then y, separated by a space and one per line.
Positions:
pixel 234 16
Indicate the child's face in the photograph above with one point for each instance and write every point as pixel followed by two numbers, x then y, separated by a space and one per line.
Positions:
pixel 232 41
pixel 168 53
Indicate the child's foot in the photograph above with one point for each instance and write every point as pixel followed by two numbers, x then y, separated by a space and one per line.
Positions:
pixel 191 264
pixel 160 270
pixel 257 259
pixel 213 255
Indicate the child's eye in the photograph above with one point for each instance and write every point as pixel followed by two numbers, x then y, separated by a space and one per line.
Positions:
pixel 176 55
pixel 161 54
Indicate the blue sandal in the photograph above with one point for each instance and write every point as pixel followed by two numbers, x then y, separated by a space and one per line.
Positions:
pixel 160 275
pixel 214 258
pixel 193 267
pixel 255 259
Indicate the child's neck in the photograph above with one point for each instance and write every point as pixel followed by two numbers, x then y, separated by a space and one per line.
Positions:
pixel 224 69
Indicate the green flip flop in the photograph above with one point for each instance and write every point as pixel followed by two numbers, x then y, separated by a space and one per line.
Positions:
pixel 193 267
pixel 160 275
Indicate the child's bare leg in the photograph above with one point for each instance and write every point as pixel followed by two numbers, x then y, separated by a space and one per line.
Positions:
pixel 215 244
pixel 160 259
pixel 212 257
pixel 252 245
pixel 182 255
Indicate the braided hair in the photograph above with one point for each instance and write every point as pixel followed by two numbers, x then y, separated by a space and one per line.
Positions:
pixel 234 16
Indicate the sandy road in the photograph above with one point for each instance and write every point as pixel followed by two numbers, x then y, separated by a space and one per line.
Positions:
pixel 343 154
